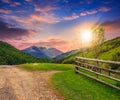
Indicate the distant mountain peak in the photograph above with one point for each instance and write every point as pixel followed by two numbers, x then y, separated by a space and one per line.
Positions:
pixel 43 51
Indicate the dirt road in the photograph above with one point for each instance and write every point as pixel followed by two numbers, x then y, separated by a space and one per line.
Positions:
pixel 19 84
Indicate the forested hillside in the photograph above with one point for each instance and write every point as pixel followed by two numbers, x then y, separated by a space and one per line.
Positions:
pixel 66 54
pixel 10 55
pixel 110 50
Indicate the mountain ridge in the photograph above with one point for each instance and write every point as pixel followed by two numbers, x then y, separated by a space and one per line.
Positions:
pixel 66 54
pixel 43 52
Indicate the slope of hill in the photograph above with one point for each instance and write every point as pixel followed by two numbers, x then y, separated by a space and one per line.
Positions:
pixel 10 55
pixel 42 52
pixel 64 55
pixel 110 51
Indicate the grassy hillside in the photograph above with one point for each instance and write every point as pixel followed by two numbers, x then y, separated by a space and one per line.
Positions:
pixel 110 51
pixel 73 86
pixel 64 55
pixel 10 55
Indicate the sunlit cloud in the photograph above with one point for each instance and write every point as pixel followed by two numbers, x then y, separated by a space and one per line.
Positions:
pixel 52 42
pixel 105 9
pixel 101 9
pixel 45 9
pixel 23 20
pixel 74 16
pixel 111 25
pixel 5 11
pixel 112 28
pixel 88 12
pixel 47 18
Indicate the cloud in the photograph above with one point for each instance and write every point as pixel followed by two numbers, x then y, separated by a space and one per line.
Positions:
pixel 45 9
pixel 111 25
pixel 6 32
pixel 112 28
pixel 28 0
pixel 5 11
pixel 101 9
pixel 66 1
pixel 22 20
pixel 52 42
pixel 88 12
pixel 105 9
pixel 89 1
pixel 14 4
pixel 74 16
pixel 6 1
pixel 41 3
pixel 46 17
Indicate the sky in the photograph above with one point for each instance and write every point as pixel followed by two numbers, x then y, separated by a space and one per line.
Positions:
pixel 56 23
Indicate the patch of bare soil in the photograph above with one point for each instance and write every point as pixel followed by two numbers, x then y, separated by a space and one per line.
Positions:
pixel 19 84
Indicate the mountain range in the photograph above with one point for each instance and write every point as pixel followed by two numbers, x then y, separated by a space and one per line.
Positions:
pixel 43 52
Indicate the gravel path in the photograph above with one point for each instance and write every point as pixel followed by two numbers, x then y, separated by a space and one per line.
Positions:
pixel 19 84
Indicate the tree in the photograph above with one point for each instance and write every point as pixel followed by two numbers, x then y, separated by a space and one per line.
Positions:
pixel 98 39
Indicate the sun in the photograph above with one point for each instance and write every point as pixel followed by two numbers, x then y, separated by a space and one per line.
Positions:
pixel 86 36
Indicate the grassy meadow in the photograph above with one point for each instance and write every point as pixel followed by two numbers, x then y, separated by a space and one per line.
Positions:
pixel 74 86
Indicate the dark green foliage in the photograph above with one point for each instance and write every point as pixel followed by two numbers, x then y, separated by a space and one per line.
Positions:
pixel 10 55
pixel 118 84
pixel 116 57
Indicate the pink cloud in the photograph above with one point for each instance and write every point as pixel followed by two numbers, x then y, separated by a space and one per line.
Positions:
pixel 22 19
pixel 47 18
pixel 5 11
pixel 88 12
pixel 14 4
pixel 104 9
pixel 111 25
pixel 101 9
pixel 45 9
pixel 53 42
pixel 6 1
pixel 74 16
pixel 112 28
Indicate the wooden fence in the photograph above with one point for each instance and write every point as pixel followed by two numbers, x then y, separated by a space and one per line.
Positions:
pixel 93 66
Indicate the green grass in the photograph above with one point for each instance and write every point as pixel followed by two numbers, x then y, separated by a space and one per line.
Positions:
pixel 78 87
pixel 47 66
pixel 74 86
pixel 100 77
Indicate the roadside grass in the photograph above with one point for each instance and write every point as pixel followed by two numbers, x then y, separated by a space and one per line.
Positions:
pixel 100 77
pixel 78 87
pixel 74 86
pixel 47 66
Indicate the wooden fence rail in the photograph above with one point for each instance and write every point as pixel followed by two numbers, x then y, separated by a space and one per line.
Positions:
pixel 84 64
